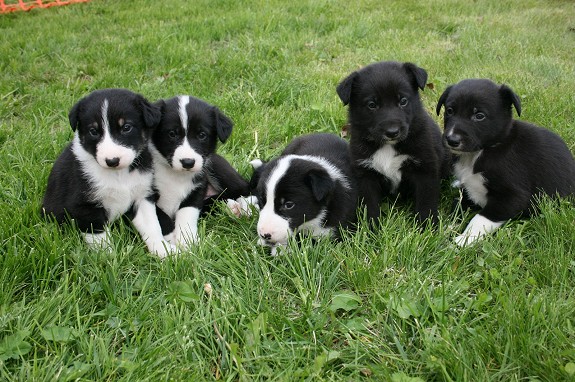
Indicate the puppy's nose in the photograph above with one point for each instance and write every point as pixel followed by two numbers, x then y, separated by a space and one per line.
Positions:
pixel 188 163
pixel 392 132
pixel 266 236
pixel 453 140
pixel 113 162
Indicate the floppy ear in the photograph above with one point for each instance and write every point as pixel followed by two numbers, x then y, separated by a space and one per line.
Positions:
pixel 73 115
pixel 320 182
pixel 224 125
pixel 344 88
pixel 418 74
pixel 151 112
pixel 510 96
pixel 442 99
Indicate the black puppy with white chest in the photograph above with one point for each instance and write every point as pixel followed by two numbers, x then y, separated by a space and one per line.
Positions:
pixel 187 172
pixel 396 146
pixel 503 164
pixel 107 170
pixel 309 189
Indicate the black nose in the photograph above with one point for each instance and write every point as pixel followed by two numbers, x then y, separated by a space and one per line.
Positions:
pixel 188 163
pixel 114 162
pixel 392 132
pixel 453 140
pixel 266 236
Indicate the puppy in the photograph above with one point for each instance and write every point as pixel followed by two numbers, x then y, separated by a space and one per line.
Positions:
pixel 187 172
pixel 502 163
pixel 106 171
pixel 395 145
pixel 308 189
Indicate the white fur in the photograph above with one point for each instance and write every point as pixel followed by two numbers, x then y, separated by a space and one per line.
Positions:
pixel 185 151
pixel 474 183
pixel 146 222
pixel 186 230
pixel 270 223
pixel 315 226
pixel 243 205
pixel 117 190
pixel 388 162
pixel 173 185
pixel 108 148
pixel 478 227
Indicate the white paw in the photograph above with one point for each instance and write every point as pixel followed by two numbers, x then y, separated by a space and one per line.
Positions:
pixel 242 206
pixel 162 248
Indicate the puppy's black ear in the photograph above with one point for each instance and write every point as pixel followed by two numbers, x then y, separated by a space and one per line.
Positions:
pixel 73 115
pixel 160 105
pixel 418 74
pixel 344 88
pixel 224 125
pixel 510 96
pixel 442 99
pixel 320 182
pixel 151 112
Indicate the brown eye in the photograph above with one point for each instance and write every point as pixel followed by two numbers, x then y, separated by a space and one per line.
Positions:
pixel 288 205
pixel 202 136
pixel 173 134
pixel 478 117
pixel 403 102
pixel 94 132
pixel 449 111
pixel 127 128
pixel 371 105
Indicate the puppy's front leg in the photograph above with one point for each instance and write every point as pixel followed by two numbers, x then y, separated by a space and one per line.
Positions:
pixel 147 224
pixel 478 227
pixel 370 195
pixel 186 231
pixel 427 198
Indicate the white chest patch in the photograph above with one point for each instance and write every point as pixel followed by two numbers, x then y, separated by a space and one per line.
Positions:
pixel 115 189
pixel 387 162
pixel 172 184
pixel 474 183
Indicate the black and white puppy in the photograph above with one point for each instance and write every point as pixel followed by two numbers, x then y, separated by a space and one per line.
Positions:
pixel 502 163
pixel 309 189
pixel 187 172
pixel 106 171
pixel 395 144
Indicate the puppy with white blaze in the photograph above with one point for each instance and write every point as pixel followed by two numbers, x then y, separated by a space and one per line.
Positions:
pixel 502 164
pixel 106 171
pixel 187 172
pixel 308 189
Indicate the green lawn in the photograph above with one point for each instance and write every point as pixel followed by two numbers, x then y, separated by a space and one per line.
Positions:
pixel 391 304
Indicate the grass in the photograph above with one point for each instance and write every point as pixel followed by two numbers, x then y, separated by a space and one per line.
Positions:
pixel 392 304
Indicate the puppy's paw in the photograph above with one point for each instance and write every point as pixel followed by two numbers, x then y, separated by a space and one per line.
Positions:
pixel 242 206
pixel 464 240
pixel 162 248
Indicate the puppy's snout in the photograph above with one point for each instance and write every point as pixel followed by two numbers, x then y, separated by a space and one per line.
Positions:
pixel 266 236
pixel 112 162
pixel 453 140
pixel 392 132
pixel 187 163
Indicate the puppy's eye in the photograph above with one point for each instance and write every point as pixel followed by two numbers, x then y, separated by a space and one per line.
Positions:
pixel 371 105
pixel 288 205
pixel 202 136
pixel 173 134
pixel 127 128
pixel 478 117
pixel 94 132
pixel 403 102
pixel 449 111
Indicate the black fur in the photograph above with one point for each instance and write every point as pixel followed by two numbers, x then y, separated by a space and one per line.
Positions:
pixel 519 160
pixel 385 110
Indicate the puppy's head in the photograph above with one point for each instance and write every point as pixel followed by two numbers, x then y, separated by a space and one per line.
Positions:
pixel 113 125
pixel 383 98
pixel 189 131
pixel 477 114
pixel 293 191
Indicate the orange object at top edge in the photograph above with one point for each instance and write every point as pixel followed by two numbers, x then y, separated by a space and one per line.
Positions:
pixel 22 5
